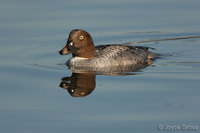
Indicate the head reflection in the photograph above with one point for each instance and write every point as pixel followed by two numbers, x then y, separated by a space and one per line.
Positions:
pixel 79 84
pixel 82 81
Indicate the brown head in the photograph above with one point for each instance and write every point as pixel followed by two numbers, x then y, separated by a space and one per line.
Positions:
pixel 80 44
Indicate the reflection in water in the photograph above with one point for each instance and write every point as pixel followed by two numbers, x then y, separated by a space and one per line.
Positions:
pixel 82 81
pixel 79 84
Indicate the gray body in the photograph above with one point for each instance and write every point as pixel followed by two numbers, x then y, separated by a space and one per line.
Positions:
pixel 114 56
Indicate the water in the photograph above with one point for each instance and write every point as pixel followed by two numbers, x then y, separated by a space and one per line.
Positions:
pixel 160 96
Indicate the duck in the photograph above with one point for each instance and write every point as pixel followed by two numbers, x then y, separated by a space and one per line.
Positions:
pixel 86 55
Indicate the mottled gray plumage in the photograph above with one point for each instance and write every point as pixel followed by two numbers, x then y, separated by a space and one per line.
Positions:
pixel 114 55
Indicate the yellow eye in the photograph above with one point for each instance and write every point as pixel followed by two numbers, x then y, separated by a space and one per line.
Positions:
pixel 81 37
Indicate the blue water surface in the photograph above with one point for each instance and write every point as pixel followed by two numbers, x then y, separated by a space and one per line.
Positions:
pixel 161 97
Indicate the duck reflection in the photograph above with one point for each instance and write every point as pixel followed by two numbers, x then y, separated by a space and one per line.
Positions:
pixel 82 81
pixel 79 84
